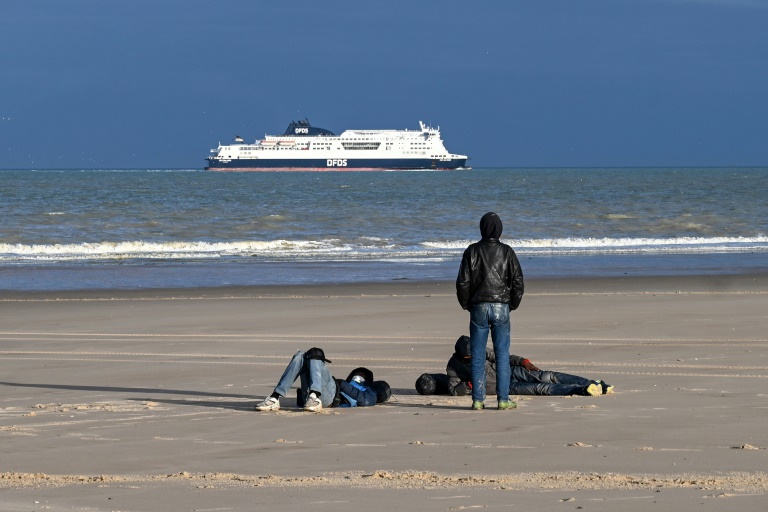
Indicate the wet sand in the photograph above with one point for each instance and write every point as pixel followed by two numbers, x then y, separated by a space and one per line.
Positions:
pixel 142 400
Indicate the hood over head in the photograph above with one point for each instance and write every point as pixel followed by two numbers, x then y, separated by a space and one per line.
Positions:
pixel 462 346
pixel 365 373
pixel 490 226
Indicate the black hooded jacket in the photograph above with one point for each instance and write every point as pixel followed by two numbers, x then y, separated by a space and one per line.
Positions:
pixel 490 271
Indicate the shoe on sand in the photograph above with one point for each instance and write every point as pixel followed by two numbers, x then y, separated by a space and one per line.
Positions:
pixel 507 404
pixel 594 389
pixel 313 403
pixel 268 404
pixel 606 388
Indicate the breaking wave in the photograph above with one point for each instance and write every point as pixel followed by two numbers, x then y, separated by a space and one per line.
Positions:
pixel 364 249
pixel 579 245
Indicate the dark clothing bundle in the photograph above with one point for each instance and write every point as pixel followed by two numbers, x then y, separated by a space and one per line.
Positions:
pixel 432 384
pixel 351 393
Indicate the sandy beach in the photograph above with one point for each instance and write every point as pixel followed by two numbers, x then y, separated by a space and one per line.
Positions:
pixel 143 400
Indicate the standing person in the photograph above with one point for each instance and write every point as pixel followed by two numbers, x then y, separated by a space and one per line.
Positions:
pixel 489 285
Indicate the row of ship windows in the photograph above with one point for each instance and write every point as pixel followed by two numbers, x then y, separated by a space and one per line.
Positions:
pixel 278 148
pixel 413 150
pixel 347 147
pixel 345 144
pixel 360 145
pixel 365 141
pixel 350 146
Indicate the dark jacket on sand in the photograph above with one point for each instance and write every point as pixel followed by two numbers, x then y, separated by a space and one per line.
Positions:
pixel 460 373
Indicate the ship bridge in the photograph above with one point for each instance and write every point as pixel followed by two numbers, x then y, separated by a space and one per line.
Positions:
pixel 304 129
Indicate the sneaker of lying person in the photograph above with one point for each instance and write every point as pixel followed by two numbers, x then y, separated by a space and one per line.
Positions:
pixel 313 403
pixel 606 388
pixel 268 404
pixel 593 389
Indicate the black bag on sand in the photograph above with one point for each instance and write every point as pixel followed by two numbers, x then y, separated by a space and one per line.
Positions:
pixel 433 384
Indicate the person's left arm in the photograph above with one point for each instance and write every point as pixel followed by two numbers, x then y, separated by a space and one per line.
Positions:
pixel 524 362
pixel 516 283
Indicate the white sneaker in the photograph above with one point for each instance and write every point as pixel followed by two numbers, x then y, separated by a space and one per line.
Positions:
pixel 313 403
pixel 268 404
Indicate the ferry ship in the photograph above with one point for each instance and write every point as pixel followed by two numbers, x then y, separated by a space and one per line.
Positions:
pixel 304 147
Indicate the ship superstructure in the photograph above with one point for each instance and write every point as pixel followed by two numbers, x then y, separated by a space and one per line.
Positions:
pixel 304 147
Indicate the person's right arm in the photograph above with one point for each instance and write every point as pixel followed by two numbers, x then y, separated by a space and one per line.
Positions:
pixel 456 386
pixel 463 280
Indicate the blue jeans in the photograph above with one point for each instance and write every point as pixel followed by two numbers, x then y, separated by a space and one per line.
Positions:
pixel 314 377
pixel 525 382
pixel 493 317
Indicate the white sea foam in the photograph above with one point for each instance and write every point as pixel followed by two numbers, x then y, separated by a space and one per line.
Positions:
pixel 608 244
pixel 152 250
pixel 369 248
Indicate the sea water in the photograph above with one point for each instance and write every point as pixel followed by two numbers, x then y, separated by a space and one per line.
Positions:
pixel 131 229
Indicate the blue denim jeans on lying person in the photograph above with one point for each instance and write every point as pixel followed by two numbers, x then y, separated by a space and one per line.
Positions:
pixel 493 317
pixel 526 382
pixel 314 377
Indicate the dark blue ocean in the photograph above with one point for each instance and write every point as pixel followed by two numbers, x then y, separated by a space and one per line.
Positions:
pixel 133 229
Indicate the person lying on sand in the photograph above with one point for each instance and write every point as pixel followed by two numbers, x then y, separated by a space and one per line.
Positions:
pixel 527 378
pixel 320 389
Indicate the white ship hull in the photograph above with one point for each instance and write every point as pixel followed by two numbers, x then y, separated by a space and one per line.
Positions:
pixel 307 148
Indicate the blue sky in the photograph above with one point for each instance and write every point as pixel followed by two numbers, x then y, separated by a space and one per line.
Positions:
pixel 156 84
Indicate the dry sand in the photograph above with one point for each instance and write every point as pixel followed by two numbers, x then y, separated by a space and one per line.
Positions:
pixel 143 400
